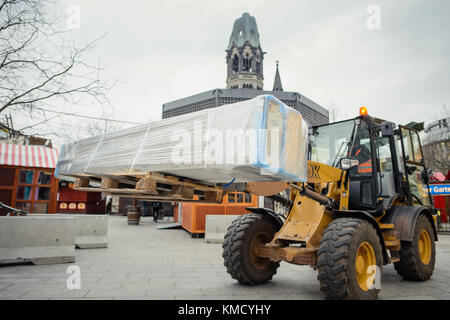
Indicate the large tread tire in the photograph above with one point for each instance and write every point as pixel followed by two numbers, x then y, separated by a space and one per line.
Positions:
pixel 237 249
pixel 410 266
pixel 336 259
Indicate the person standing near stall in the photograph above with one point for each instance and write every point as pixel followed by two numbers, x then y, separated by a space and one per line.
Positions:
pixel 157 207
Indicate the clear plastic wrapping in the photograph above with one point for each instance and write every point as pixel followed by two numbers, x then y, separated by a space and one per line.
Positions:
pixel 255 140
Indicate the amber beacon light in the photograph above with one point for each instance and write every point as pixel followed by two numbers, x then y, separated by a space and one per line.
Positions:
pixel 363 111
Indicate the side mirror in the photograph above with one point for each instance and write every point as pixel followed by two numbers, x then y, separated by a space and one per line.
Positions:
pixel 387 129
pixel 348 163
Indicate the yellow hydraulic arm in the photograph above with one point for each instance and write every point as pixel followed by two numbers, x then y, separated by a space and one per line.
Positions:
pixel 312 202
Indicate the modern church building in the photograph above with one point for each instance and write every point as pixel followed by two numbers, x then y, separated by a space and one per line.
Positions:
pixel 245 79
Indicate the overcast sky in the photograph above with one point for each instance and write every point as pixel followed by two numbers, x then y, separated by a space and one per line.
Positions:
pixel 166 50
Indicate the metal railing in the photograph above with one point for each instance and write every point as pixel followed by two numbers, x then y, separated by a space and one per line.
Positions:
pixel 12 211
pixel 443 220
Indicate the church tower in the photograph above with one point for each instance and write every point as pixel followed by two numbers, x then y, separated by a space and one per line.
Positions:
pixel 277 86
pixel 244 55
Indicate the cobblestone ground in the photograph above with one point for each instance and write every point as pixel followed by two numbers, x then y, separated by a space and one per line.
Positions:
pixel 143 262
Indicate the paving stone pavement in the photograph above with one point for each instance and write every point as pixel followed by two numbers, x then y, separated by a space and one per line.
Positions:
pixel 142 262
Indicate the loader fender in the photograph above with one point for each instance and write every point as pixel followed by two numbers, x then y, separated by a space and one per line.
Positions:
pixel 365 216
pixel 404 219
pixel 267 213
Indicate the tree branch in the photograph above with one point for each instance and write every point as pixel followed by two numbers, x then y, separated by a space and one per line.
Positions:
pixel 36 62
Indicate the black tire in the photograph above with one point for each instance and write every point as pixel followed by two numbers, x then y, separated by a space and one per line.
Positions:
pixel 237 249
pixel 411 266
pixel 337 255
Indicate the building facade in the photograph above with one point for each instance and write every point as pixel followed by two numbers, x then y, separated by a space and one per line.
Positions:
pixel 436 145
pixel 245 79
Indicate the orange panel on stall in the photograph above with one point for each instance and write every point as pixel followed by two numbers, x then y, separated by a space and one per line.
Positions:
pixel 194 214
pixel 200 216
pixel 187 213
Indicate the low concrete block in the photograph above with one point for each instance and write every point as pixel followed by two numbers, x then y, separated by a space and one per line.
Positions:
pixel 91 230
pixel 41 240
pixel 216 226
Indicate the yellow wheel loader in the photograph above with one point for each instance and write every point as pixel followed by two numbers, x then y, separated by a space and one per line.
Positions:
pixel 366 204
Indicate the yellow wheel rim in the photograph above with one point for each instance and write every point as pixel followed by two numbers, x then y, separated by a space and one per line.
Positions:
pixel 365 266
pixel 425 247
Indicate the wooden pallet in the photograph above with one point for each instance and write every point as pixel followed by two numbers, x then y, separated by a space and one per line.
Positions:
pixel 152 186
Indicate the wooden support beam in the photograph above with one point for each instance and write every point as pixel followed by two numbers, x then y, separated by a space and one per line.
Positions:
pixel 81 182
pixel 117 190
pixel 151 186
pixel 108 183
pixel 182 191
pixel 213 196
pixel 147 183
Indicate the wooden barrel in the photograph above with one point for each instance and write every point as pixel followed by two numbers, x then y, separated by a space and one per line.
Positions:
pixel 134 215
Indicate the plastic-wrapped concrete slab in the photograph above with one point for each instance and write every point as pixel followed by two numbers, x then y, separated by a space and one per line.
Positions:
pixel 260 139
pixel 216 226
pixel 91 230
pixel 40 240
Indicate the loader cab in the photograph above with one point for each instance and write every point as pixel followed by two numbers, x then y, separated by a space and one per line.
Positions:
pixel 390 166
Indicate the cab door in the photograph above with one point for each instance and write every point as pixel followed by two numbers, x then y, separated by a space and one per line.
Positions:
pixel 363 185
pixel 413 166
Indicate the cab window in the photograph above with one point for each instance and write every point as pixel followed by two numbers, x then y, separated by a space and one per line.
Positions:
pixel 398 146
pixel 362 152
pixel 384 154
pixel 407 144
pixel 416 147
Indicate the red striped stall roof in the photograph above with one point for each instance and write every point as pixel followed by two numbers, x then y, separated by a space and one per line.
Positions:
pixel 27 156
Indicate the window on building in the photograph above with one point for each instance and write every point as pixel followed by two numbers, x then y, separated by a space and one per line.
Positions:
pixel 34 190
pixel 258 67
pixel 40 207
pixel 42 193
pixel 23 193
pixel 235 63
pixel 45 177
pixel 26 176
pixel 247 64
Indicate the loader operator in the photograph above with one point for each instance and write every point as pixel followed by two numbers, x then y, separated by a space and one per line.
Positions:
pixel 362 154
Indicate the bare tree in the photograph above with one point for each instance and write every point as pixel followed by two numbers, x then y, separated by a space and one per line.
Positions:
pixel 38 62
pixel 99 128
pixel 445 111
pixel 71 126
pixel 334 111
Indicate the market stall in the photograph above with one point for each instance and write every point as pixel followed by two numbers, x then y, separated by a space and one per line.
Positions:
pixel 27 179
